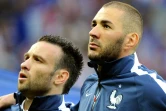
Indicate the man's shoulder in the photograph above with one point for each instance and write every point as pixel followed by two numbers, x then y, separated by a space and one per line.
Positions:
pixel 148 80
pixel 152 89
pixel 151 84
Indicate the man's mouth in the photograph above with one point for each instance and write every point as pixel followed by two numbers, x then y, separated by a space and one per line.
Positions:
pixel 22 77
pixel 93 45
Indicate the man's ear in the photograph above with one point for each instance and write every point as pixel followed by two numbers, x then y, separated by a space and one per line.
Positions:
pixel 61 76
pixel 131 41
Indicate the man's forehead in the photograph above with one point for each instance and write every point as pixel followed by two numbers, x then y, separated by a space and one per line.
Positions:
pixel 109 12
pixel 45 48
pixel 44 45
pixel 47 51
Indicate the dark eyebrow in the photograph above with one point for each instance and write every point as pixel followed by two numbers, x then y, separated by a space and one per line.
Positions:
pixel 103 21
pixel 93 21
pixel 106 21
pixel 37 56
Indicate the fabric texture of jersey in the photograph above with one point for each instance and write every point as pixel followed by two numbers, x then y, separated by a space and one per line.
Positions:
pixel 123 85
pixel 41 103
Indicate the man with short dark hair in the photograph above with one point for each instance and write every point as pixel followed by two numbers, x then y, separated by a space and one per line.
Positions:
pixel 50 68
pixel 121 82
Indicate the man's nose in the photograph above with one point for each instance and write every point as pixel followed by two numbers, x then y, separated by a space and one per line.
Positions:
pixel 25 65
pixel 95 32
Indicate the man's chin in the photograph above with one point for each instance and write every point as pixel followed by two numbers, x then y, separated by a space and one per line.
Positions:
pixel 22 89
pixel 93 57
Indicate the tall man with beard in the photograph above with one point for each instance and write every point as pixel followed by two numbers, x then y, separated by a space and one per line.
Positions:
pixel 121 82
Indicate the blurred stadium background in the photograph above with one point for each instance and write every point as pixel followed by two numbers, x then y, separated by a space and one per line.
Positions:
pixel 22 22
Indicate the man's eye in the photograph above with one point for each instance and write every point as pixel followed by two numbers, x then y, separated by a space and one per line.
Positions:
pixel 38 60
pixel 107 26
pixel 26 58
pixel 93 25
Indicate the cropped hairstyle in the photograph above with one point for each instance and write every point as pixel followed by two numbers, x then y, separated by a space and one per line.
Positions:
pixel 71 59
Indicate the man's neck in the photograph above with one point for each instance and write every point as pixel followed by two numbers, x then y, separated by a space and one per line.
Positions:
pixel 27 103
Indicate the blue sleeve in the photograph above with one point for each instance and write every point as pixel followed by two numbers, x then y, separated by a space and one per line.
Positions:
pixel 19 97
pixel 154 94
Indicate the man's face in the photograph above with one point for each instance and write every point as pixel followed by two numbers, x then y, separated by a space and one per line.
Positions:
pixel 37 70
pixel 106 36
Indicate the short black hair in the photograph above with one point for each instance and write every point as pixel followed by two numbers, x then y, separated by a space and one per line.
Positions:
pixel 72 59
pixel 132 19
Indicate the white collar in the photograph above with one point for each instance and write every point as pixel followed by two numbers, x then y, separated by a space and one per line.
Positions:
pixel 22 106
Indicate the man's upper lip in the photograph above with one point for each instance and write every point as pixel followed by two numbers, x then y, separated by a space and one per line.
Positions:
pixel 22 75
pixel 92 43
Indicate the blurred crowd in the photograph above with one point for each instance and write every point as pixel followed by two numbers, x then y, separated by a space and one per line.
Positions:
pixel 22 22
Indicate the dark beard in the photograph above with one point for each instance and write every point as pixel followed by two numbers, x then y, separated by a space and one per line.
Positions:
pixel 35 91
pixel 110 53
